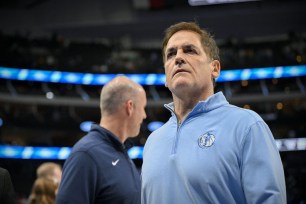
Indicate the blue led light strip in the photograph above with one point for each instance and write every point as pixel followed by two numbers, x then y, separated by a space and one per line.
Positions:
pixel 56 153
pixel 61 153
pixel 145 79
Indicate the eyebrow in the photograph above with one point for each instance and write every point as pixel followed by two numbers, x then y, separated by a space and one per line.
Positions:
pixel 184 46
pixel 171 49
pixel 190 46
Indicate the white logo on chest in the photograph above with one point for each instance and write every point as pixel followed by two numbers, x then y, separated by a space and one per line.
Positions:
pixel 114 163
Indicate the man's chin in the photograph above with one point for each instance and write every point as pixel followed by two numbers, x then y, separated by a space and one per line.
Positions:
pixel 180 75
pixel 180 83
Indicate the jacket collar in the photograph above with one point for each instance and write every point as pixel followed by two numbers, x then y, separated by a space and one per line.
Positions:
pixel 107 135
pixel 214 101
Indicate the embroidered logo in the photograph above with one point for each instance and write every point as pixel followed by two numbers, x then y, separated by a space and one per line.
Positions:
pixel 206 140
pixel 114 163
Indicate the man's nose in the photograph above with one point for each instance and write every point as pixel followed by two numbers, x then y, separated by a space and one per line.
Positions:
pixel 179 61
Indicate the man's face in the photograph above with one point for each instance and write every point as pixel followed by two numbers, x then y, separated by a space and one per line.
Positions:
pixel 187 66
pixel 139 113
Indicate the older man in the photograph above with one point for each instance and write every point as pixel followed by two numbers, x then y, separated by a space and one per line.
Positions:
pixel 209 151
pixel 99 169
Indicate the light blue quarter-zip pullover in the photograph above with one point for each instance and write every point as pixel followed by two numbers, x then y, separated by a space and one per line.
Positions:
pixel 219 154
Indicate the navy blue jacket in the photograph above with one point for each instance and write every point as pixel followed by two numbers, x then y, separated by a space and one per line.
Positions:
pixel 7 193
pixel 99 170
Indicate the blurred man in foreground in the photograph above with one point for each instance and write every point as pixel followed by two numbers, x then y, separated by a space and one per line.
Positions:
pixel 99 169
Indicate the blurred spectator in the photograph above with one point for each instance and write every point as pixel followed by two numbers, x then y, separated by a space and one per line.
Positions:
pixel 50 170
pixel 7 194
pixel 43 191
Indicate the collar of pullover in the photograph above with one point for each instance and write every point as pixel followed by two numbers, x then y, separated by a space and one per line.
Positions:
pixel 214 101
pixel 105 134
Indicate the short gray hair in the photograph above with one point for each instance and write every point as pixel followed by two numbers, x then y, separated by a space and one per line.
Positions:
pixel 114 94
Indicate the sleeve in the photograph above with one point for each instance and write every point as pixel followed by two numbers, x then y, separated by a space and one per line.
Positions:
pixel 262 173
pixel 79 180
pixel 7 194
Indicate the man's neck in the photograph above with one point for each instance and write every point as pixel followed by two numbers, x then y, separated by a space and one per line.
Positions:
pixel 115 125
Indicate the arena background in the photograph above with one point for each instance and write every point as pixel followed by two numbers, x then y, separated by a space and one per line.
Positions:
pixel 124 37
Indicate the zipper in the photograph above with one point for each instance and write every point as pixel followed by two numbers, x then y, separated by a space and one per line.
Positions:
pixel 176 139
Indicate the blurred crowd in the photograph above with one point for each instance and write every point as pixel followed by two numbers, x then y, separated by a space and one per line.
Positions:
pixel 106 56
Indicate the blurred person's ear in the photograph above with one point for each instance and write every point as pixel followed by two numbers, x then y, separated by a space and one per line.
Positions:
pixel 129 107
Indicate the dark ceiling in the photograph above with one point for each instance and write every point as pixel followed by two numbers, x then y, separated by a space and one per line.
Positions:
pixel 125 19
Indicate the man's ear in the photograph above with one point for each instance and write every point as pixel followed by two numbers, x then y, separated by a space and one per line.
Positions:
pixel 129 107
pixel 216 68
pixel 166 85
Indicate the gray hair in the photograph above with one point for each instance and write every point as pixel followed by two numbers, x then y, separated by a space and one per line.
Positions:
pixel 116 93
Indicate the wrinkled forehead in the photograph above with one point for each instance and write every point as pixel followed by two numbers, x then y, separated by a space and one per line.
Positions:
pixel 184 38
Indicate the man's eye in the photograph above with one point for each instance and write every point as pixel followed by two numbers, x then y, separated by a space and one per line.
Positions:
pixel 170 54
pixel 190 50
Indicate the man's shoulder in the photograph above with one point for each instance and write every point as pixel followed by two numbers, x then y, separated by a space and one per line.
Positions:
pixel 88 147
pixel 158 134
pixel 4 173
pixel 244 114
pixel 89 142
